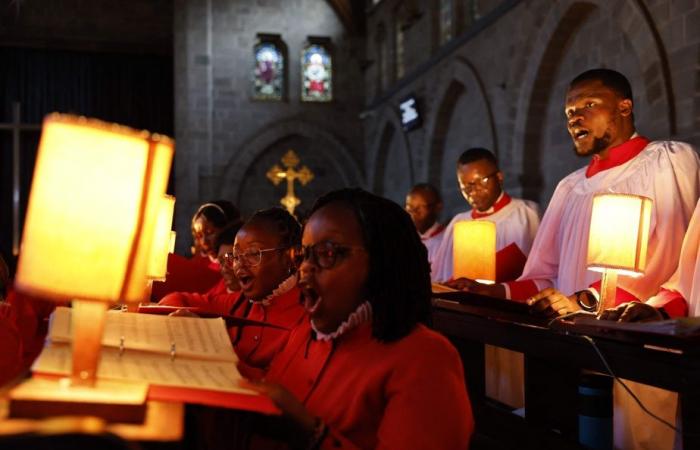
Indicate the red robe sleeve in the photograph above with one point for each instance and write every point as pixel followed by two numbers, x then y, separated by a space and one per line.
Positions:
pixel 185 275
pixel 11 363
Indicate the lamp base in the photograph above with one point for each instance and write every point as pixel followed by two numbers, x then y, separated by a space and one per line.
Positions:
pixel 113 401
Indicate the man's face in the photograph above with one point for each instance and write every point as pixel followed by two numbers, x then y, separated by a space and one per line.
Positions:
pixel 595 116
pixel 423 208
pixel 480 183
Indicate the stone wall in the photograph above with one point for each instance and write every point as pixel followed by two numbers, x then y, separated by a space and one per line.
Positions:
pixel 501 84
pixel 226 141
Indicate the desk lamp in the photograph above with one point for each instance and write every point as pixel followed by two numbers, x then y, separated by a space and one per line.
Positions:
pixel 90 223
pixel 617 240
pixel 474 251
pixel 163 243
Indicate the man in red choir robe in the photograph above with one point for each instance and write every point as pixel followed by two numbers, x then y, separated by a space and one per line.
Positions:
pixel 481 183
pixel 424 204
pixel 600 120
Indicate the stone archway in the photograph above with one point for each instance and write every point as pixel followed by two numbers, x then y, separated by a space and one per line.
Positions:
pixel 541 147
pixel 331 160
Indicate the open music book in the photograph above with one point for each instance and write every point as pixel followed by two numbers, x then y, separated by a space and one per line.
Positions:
pixel 192 356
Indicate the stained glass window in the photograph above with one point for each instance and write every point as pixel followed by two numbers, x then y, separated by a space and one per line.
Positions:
pixel 316 74
pixel 268 74
pixel 446 24
pixel 400 67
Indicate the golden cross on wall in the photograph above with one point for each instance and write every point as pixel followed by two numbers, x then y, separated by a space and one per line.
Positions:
pixel 276 174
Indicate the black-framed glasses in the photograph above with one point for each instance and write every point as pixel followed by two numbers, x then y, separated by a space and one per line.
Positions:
pixel 324 254
pixel 479 183
pixel 251 257
pixel 417 208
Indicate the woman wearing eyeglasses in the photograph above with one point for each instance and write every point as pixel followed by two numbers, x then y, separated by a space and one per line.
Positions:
pixel 364 372
pixel 262 263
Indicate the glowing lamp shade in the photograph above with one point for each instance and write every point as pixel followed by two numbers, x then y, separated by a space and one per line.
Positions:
pixel 619 233
pixel 158 262
pixel 171 247
pixel 617 240
pixel 91 221
pixel 474 250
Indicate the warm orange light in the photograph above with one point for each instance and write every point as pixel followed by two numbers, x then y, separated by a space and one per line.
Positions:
pixel 474 250
pixel 171 246
pixel 92 210
pixel 617 240
pixel 619 233
pixel 91 221
pixel 158 262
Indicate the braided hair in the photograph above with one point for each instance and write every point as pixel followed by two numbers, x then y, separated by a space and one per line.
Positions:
pixel 280 222
pixel 398 282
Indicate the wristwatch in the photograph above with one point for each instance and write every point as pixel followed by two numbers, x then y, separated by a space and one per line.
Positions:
pixel 587 301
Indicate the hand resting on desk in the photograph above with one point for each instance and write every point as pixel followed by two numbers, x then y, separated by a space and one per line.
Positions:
pixel 552 303
pixel 468 285
pixel 632 312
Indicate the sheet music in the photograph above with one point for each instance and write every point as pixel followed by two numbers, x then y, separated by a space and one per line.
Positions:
pixel 193 337
pixel 152 368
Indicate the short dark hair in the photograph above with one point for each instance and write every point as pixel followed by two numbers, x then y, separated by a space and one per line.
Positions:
pixel 281 222
pixel 219 212
pixel 427 187
pixel 228 234
pixel 477 154
pixel 398 283
pixel 610 78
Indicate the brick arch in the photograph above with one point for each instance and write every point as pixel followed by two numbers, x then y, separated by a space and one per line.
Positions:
pixel 390 128
pixel 440 128
pixel 339 155
pixel 542 60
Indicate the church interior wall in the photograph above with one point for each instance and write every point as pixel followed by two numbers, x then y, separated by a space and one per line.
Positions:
pixel 524 80
pixel 218 121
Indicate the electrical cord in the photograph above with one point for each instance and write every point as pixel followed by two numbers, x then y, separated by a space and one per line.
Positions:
pixel 619 380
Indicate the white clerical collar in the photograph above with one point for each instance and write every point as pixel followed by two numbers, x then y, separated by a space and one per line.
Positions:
pixel 430 232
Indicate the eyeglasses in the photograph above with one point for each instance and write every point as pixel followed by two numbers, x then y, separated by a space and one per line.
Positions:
pixel 323 254
pixel 479 183
pixel 417 208
pixel 251 257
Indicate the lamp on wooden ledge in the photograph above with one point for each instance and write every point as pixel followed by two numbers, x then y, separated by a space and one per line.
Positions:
pixel 90 223
pixel 617 240
pixel 163 244
pixel 474 251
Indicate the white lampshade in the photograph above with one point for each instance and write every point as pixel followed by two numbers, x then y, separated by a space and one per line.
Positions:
pixel 619 233
pixel 158 262
pixel 92 210
pixel 474 250
pixel 171 247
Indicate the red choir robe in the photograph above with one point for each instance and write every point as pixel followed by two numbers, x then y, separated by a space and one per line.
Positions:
pixel 11 363
pixel 256 346
pixel 198 274
pixel 23 328
pixel 407 394
pixel 516 225
pixel 218 299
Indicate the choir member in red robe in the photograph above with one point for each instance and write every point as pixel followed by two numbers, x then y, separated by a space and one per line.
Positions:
pixel 363 371
pixel 201 272
pixel 262 263
pixel 220 298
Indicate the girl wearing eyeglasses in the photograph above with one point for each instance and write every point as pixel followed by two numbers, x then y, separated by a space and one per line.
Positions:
pixel 363 371
pixel 262 263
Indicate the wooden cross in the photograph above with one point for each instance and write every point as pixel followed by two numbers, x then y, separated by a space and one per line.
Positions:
pixel 17 127
pixel 276 174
